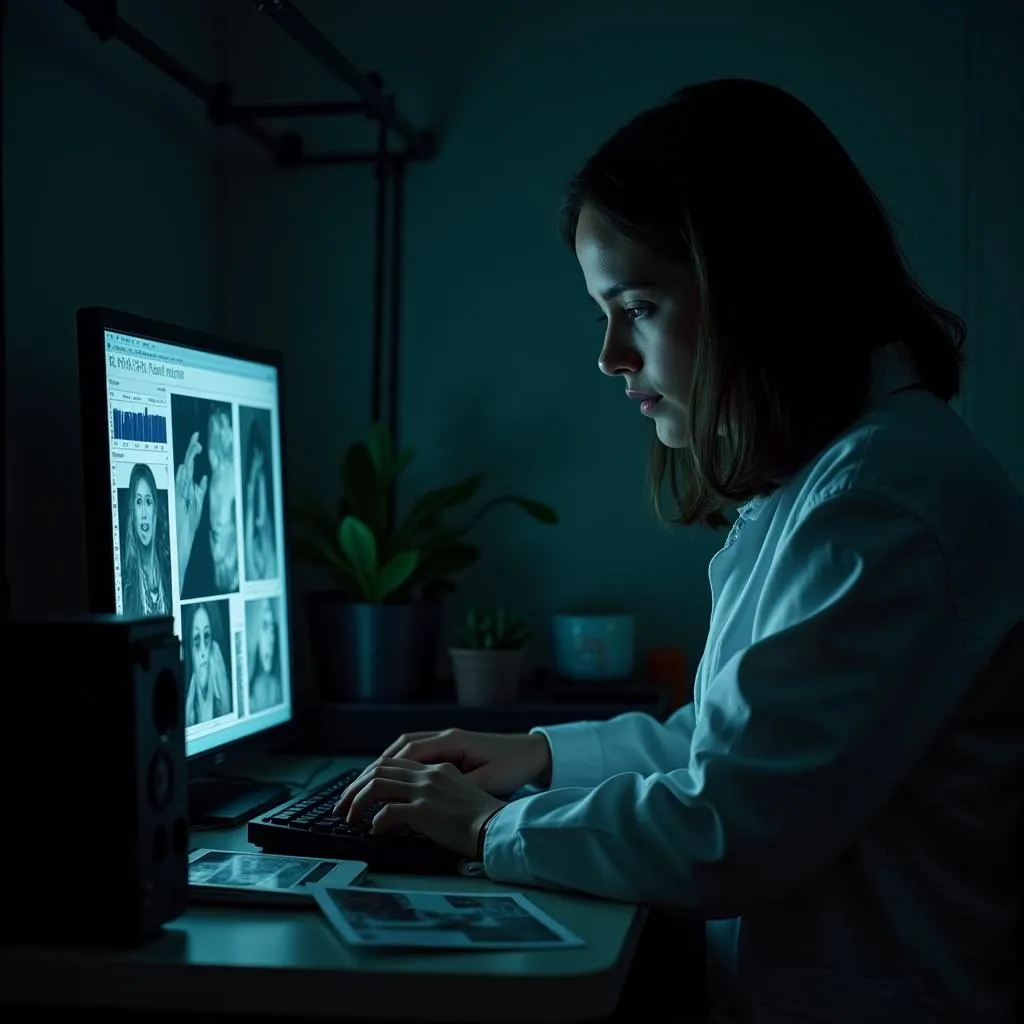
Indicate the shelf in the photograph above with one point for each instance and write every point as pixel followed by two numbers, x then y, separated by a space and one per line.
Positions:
pixel 366 729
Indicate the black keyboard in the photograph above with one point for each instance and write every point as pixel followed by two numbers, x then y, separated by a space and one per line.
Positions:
pixel 305 827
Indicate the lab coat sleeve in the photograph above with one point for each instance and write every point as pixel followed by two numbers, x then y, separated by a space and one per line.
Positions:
pixel 586 753
pixel 800 739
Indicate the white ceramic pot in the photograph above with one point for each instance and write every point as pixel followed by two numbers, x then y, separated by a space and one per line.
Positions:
pixel 486 677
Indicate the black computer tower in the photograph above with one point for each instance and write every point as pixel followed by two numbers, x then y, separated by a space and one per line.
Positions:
pixel 93 793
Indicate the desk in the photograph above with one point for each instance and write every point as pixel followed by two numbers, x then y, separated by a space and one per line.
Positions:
pixel 290 963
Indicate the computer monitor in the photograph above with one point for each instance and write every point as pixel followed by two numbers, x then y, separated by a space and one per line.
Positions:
pixel 184 496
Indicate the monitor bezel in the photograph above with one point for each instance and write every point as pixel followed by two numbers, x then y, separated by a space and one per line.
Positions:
pixel 92 323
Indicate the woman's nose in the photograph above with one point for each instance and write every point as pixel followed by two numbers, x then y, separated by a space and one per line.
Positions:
pixel 618 356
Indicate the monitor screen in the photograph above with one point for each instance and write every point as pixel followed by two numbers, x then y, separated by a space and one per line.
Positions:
pixel 193 446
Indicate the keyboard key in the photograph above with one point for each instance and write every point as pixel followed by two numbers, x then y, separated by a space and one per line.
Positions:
pixel 324 825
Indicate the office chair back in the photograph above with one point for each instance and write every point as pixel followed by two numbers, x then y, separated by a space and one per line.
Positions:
pixel 1002 689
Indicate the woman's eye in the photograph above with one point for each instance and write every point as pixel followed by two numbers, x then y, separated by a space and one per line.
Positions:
pixel 633 312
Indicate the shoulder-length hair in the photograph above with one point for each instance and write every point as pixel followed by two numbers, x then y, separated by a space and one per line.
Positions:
pixel 799 277
pixel 132 555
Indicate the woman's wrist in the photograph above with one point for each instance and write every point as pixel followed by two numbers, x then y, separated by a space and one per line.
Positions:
pixel 542 776
pixel 481 832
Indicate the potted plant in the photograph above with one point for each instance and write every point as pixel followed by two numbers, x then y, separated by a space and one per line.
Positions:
pixel 487 656
pixel 374 633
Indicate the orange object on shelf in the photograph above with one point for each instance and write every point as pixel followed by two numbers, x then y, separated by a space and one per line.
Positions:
pixel 666 666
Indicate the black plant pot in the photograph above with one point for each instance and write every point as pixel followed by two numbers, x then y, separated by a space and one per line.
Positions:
pixel 376 653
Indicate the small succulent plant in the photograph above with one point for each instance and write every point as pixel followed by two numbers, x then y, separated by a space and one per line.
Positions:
pixel 497 630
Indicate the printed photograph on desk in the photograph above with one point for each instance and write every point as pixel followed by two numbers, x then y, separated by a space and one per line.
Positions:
pixel 440 920
pixel 264 879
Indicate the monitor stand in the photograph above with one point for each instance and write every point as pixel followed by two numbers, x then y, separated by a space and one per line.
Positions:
pixel 223 803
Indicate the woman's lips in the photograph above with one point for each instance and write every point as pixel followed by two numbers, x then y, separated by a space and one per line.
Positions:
pixel 647 399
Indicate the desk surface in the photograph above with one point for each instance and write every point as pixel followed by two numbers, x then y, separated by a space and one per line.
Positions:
pixel 290 962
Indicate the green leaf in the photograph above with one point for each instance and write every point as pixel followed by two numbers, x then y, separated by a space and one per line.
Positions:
pixel 365 493
pixel 542 513
pixel 388 463
pixel 396 572
pixel 436 540
pixel 428 509
pixel 445 561
pixel 360 547
pixel 327 556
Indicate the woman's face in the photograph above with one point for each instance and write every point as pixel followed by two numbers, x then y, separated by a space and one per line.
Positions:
pixel 201 641
pixel 144 512
pixel 650 308
pixel 268 637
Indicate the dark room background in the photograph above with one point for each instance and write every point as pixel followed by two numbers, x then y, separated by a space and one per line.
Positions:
pixel 118 192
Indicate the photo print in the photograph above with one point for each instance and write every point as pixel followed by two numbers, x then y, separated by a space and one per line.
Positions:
pixel 207 660
pixel 142 515
pixel 259 500
pixel 263 646
pixel 403 918
pixel 205 505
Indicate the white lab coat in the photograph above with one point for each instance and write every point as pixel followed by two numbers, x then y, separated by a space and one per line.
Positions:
pixel 823 802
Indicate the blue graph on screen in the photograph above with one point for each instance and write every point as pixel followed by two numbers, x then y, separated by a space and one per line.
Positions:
pixel 139 426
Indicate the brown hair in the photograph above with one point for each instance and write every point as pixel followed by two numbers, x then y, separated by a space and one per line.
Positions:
pixel 799 276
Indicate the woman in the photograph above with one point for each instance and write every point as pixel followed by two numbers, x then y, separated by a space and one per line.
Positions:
pixel 260 548
pixel 146 554
pixel 265 678
pixel 839 799
pixel 209 690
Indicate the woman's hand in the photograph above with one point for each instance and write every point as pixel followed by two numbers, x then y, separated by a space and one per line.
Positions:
pixel 436 800
pixel 499 763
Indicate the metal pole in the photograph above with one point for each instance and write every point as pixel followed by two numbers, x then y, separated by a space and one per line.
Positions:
pixel 248 111
pixel 103 19
pixel 379 270
pixel 316 44
pixel 397 225
pixel 394 355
